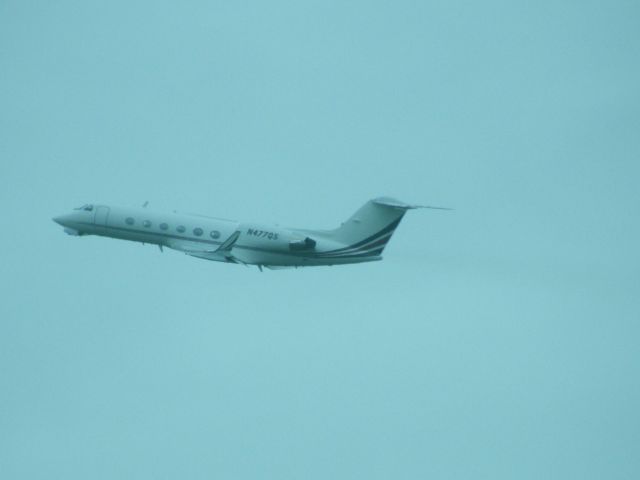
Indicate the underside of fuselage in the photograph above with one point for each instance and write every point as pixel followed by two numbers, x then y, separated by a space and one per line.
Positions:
pixel 266 259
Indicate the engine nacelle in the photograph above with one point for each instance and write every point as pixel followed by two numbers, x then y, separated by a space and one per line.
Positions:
pixel 268 238
pixel 301 245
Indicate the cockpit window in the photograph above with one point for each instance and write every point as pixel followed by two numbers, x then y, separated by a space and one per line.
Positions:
pixel 86 207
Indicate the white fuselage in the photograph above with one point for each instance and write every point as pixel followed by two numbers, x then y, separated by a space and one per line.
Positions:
pixel 215 239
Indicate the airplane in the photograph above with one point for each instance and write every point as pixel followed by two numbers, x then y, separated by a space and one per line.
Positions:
pixel 362 238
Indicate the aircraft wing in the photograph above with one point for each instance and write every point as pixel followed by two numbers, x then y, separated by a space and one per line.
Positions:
pixel 190 248
pixel 227 245
pixel 246 257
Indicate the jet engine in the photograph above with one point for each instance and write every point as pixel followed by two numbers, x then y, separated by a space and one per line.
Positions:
pixel 302 245
pixel 268 238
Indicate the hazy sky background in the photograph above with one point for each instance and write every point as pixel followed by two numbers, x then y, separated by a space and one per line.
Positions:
pixel 498 341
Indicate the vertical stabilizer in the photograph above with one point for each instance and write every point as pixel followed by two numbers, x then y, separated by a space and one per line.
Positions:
pixel 369 230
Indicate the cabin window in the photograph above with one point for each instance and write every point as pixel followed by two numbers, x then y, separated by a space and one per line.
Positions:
pixel 215 234
pixel 163 226
pixel 197 231
pixel 180 228
pixel 146 223
pixel 129 221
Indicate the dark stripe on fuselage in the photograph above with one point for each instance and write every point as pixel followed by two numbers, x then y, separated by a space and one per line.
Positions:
pixel 376 245
pixel 389 228
pixel 356 254
pixel 380 240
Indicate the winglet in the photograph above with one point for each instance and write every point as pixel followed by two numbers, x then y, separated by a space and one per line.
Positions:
pixel 229 242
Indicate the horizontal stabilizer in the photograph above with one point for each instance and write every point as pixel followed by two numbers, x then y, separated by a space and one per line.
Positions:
pixel 392 202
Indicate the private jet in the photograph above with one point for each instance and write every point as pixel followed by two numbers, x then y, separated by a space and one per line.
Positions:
pixel 362 238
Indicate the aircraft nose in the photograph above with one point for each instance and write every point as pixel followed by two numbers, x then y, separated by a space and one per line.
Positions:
pixel 61 220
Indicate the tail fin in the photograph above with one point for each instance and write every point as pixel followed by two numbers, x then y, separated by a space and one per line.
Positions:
pixel 369 230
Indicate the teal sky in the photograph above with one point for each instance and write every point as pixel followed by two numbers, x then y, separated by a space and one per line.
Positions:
pixel 497 341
